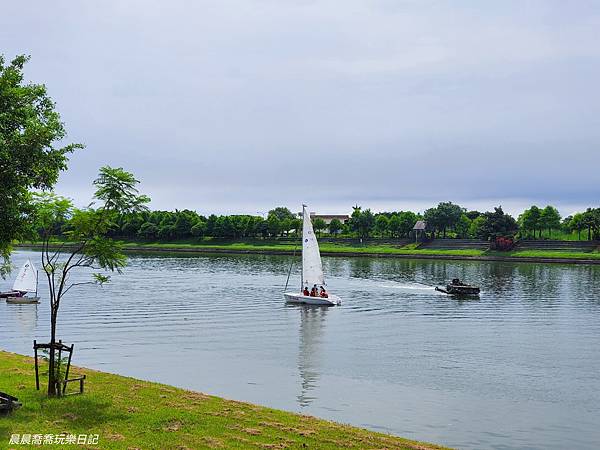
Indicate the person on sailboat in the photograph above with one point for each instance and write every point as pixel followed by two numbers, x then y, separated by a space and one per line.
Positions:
pixel 323 293
pixel 314 292
pixel 305 292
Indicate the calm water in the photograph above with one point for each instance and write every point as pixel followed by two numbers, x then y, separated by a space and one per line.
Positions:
pixel 517 368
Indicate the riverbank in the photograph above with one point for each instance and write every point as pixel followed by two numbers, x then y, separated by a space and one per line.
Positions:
pixel 130 413
pixel 356 250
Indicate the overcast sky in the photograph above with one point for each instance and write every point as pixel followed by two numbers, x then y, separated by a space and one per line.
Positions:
pixel 238 106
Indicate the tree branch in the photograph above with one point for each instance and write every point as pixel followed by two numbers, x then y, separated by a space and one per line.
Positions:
pixel 77 284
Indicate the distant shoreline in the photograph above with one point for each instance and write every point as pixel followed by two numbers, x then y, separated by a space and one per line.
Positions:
pixel 191 250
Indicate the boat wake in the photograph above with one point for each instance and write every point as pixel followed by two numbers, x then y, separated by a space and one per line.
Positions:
pixel 408 287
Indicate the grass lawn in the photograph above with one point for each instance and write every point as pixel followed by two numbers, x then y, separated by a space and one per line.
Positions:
pixel 384 249
pixel 131 414
pixel 550 254
pixel 326 247
pixel 350 248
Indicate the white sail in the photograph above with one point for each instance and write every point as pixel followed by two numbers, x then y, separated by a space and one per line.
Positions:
pixel 312 269
pixel 26 278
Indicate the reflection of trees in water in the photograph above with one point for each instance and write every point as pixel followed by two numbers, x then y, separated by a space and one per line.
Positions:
pixel 335 266
pixel 539 281
pixel 312 323
pixel 361 267
pixel 587 292
pixel 498 275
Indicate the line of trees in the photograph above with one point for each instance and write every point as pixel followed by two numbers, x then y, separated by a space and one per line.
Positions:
pixel 446 220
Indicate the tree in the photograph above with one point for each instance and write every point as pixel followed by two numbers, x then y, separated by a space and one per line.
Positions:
pixel 262 228
pixel 472 215
pixel 148 231
pixel 407 222
pixel 223 227
pixel 394 225
pixel 495 224
pixel 549 219
pixel 210 225
pixel 462 227
pixel 282 213
pixel 443 217
pixel 198 229
pixel 90 247
pixel 273 224
pixel 319 225
pixel 530 220
pixel 287 225
pixel 335 226
pixel 381 224
pixel 591 220
pixel 576 223
pixel 476 229
pixel 183 223
pixel 361 222
pixel 31 156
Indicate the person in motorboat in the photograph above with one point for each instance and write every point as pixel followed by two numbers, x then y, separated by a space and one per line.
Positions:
pixel 305 292
pixel 323 293
pixel 314 292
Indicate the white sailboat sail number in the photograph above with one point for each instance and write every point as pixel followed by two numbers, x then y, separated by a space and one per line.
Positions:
pixel 26 278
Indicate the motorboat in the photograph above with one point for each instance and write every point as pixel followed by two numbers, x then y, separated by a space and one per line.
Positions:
pixel 458 288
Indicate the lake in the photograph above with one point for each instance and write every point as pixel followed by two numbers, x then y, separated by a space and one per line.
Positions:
pixel 519 367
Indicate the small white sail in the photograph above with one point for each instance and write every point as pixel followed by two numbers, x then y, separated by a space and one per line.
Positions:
pixel 312 269
pixel 26 278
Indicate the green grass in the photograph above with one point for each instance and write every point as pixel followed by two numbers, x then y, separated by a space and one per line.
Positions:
pixel 326 247
pixel 345 247
pixel 384 249
pixel 129 413
pixel 549 254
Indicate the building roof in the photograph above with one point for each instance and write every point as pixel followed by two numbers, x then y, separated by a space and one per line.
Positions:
pixel 420 225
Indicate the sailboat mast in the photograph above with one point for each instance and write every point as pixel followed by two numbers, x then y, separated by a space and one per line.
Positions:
pixel 302 240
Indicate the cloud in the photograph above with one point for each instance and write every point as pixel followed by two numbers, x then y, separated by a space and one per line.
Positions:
pixel 241 105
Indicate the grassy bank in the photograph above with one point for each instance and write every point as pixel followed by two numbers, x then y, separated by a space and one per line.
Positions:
pixel 326 247
pixel 346 248
pixel 549 254
pixel 129 413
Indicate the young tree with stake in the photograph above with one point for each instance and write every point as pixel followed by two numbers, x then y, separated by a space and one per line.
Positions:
pixel 89 245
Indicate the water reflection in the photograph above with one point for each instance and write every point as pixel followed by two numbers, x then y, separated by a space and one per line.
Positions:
pixel 312 324
pixel 22 317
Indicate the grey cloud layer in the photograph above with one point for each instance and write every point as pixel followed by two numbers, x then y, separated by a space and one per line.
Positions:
pixel 237 105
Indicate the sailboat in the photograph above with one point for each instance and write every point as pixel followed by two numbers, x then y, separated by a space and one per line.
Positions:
pixel 312 269
pixel 26 281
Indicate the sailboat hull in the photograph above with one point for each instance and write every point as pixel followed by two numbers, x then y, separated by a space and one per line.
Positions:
pixel 300 299
pixel 23 300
